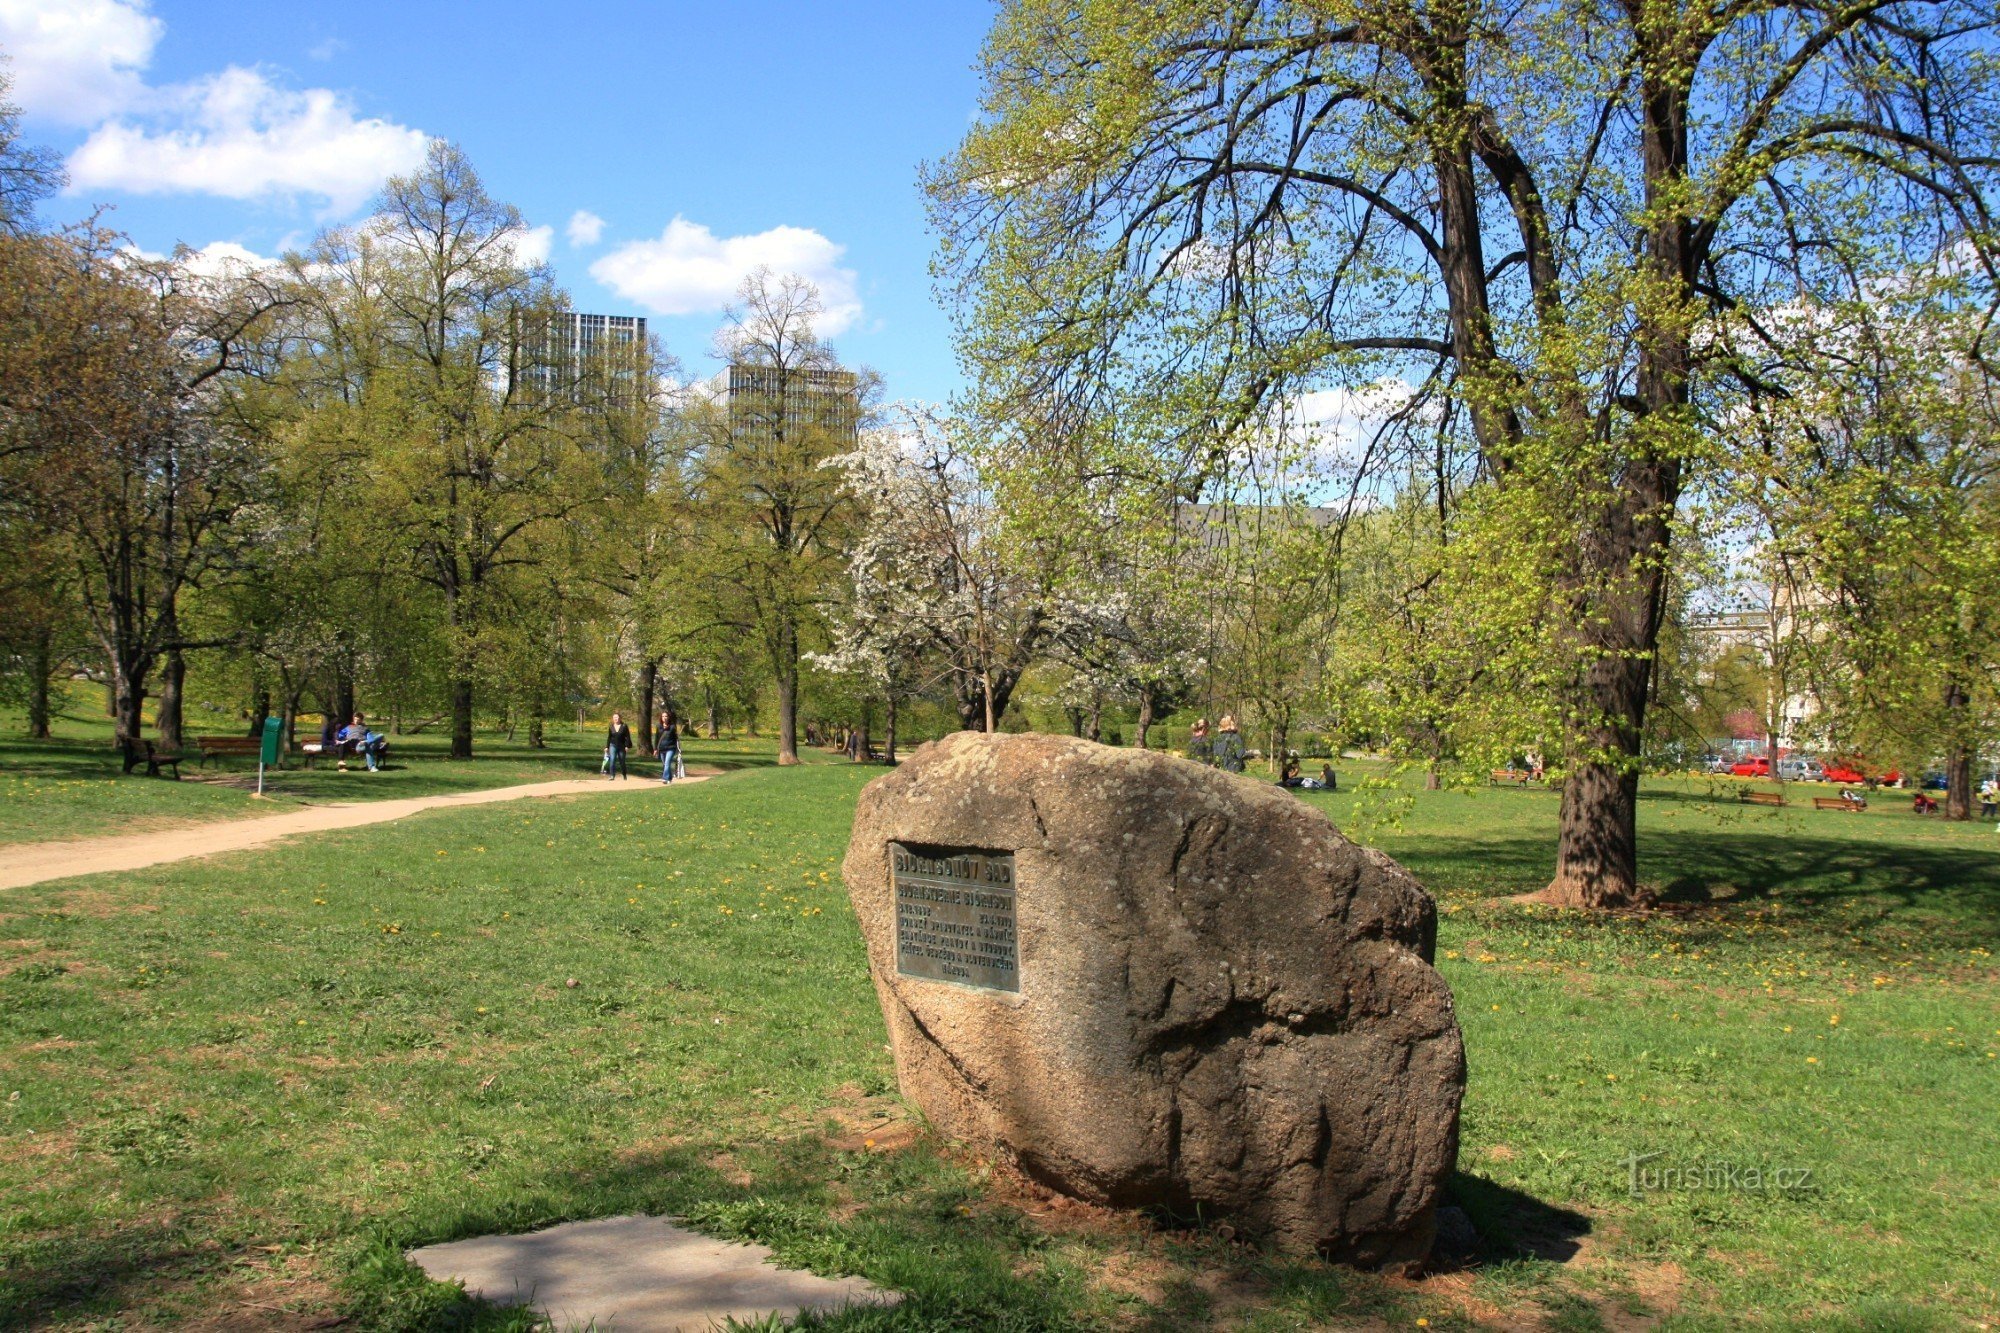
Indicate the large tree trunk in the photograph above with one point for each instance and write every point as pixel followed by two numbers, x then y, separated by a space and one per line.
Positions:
pixel 786 661
pixel 343 695
pixel 1624 554
pixel 461 719
pixel 971 702
pixel 1597 851
pixel 1597 848
pixel 167 719
pixel 128 685
pixel 983 696
pixel 41 667
pixel 537 739
pixel 1958 755
pixel 291 727
pixel 788 718
pixel 649 680
pixel 260 708
pixel 1958 783
pixel 1145 717
pixel 889 729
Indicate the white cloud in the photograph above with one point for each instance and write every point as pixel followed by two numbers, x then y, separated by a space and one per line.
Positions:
pixel 235 133
pixel 585 228
pixel 690 270
pixel 226 259
pixel 238 135
pixel 223 261
pixel 325 49
pixel 532 245
pixel 1336 425
pixel 77 61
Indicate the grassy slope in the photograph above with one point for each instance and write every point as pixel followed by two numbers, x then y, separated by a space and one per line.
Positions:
pixel 241 1082
pixel 70 785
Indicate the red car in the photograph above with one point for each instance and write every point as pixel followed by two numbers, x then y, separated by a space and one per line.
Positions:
pixel 1841 770
pixel 1758 767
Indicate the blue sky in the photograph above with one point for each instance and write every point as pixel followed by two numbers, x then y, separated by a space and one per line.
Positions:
pixel 707 138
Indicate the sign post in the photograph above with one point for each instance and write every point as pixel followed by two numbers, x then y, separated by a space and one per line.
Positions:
pixel 274 730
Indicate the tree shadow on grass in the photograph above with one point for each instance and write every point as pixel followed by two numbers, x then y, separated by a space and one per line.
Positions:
pixel 76 1276
pixel 1703 865
pixel 965 1255
pixel 1958 881
pixel 907 1221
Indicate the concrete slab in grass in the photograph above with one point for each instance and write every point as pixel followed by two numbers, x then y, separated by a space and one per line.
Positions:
pixel 638 1275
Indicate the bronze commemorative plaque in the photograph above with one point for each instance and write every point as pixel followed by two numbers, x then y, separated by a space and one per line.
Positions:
pixel 955 916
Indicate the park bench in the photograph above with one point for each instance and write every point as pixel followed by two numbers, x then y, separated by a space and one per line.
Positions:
pixel 153 757
pixel 218 747
pixel 341 750
pixel 1518 776
pixel 1835 803
pixel 1761 797
pixel 315 750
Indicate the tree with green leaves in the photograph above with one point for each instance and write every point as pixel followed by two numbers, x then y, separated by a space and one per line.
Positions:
pixel 429 335
pixel 768 521
pixel 118 439
pixel 1882 501
pixel 1184 215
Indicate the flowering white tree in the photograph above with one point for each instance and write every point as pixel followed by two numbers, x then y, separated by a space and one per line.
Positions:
pixel 882 634
pixel 935 570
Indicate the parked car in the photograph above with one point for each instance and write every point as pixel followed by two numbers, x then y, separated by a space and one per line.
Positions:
pixel 1718 763
pixel 1936 781
pixel 1843 770
pixel 1800 768
pixel 1757 766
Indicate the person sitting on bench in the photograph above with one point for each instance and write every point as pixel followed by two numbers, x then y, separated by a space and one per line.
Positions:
pixel 1855 799
pixel 355 736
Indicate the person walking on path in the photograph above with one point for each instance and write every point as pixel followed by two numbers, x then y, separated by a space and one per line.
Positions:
pixel 616 742
pixel 667 743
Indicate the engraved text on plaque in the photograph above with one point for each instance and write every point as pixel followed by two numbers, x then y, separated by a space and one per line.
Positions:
pixel 955 916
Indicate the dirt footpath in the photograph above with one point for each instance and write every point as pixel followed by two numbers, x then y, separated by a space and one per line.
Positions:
pixel 35 862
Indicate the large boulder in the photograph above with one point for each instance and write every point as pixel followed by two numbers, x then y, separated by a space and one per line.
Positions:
pixel 1149 984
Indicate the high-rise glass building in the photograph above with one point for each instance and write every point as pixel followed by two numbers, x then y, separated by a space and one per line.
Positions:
pixel 568 345
pixel 773 401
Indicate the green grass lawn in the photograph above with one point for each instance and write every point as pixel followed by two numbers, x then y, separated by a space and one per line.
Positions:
pixel 241 1088
pixel 70 786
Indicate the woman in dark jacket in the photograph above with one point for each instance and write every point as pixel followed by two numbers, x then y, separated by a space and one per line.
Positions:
pixel 616 742
pixel 667 743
